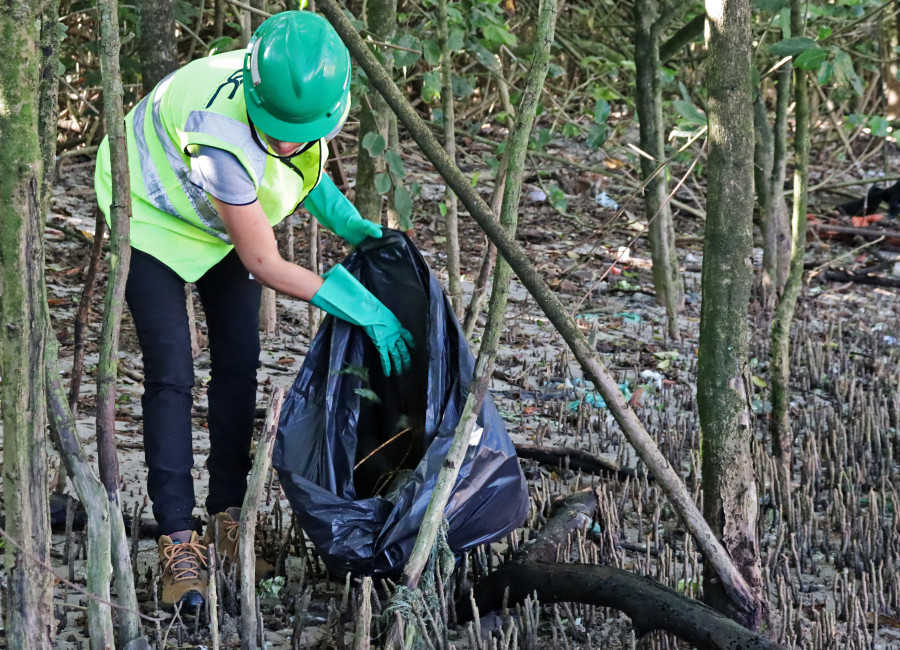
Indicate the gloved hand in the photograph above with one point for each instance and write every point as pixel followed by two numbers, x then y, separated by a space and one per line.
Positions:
pixel 343 296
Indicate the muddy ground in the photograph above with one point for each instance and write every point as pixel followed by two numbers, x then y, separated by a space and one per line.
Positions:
pixel 830 573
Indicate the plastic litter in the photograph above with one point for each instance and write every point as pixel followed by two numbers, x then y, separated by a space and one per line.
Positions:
pixel 358 497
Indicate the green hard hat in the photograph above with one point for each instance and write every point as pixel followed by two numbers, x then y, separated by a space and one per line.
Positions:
pixel 297 77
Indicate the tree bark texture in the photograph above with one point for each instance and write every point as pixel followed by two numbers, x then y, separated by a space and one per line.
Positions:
pixel 48 113
pixel 777 237
pixel 779 423
pixel 156 41
pixel 107 365
pixel 451 221
pixel 375 116
pixel 763 162
pixel 729 483
pixel 648 100
pixel 23 334
pixel 98 567
pixel 645 446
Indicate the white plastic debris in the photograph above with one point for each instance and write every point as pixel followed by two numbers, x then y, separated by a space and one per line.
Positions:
pixel 606 201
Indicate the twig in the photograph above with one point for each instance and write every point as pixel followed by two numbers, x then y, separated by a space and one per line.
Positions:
pixel 252 10
pixel 818 269
pixel 72 585
pixel 247 529
pixel 380 447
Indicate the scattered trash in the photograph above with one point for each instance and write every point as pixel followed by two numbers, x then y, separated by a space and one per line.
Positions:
pixel 537 196
pixel 629 317
pixel 604 200
pixel 623 254
pixel 653 376
pixel 890 340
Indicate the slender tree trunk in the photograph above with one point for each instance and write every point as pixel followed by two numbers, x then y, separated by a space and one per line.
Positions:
pixel 98 567
pixel 764 158
pixel 120 257
pixel 23 333
pixel 257 19
pixel 776 253
pixel 518 146
pixel 156 41
pixel 644 445
pixel 648 92
pixel 779 423
pixel 451 222
pixel 375 116
pixel 729 482
pixel 219 19
pixel 48 115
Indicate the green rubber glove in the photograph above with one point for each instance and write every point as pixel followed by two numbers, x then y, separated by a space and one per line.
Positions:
pixel 343 296
pixel 332 209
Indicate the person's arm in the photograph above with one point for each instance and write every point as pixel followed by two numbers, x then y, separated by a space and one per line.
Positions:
pixel 255 243
pixel 335 211
pixel 339 293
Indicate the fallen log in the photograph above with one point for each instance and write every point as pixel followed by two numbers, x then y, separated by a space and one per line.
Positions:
pixel 650 605
pixel 861 278
pixel 574 459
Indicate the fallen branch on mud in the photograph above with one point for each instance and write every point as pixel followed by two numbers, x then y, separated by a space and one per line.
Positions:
pixel 574 459
pixel 650 605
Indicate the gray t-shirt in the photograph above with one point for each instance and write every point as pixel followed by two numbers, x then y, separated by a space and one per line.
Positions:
pixel 220 174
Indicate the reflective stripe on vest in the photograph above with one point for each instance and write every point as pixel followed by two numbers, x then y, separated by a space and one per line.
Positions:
pixel 156 193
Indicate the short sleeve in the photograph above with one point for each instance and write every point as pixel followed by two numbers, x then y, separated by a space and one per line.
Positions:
pixel 220 174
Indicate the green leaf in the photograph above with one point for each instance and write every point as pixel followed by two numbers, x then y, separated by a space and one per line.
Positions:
pixel 812 58
pixel 403 204
pixel 758 381
pixel 382 183
pixel 457 39
pixel 844 72
pixel 374 143
pixel 558 198
pixel 484 56
pixel 432 52
pixel 498 34
pixel 431 86
pixel 601 111
pixel 769 6
pixel 791 46
pixel 597 136
pixel 826 71
pixel 368 394
pixel 402 58
pixel 462 86
pixel 357 371
pixel 221 44
pixel 395 164
pixel 879 126
pixel 442 208
pixel 570 130
pixel 689 112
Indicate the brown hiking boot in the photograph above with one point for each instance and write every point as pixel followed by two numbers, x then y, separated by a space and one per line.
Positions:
pixel 223 531
pixel 184 579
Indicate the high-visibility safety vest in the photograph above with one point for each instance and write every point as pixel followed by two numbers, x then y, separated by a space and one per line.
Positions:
pixel 172 219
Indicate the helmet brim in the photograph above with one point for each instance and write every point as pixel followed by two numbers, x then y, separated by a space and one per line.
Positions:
pixel 296 132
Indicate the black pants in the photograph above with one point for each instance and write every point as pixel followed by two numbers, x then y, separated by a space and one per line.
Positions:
pixel 156 298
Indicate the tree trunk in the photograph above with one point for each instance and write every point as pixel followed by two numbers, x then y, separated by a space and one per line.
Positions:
pixel 648 99
pixel 156 41
pixel 776 254
pixel 644 445
pixel 779 423
pixel 107 365
pixel 98 567
pixel 764 160
pixel 375 116
pixel 729 482
pixel 518 146
pixel 451 221
pixel 23 331
pixel 48 114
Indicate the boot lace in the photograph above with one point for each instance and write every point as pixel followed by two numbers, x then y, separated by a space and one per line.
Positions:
pixel 184 560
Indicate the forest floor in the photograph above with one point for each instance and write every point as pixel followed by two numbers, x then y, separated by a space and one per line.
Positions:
pixel 831 572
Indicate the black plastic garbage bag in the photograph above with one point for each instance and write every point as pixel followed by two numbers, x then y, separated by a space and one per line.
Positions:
pixel 358 453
